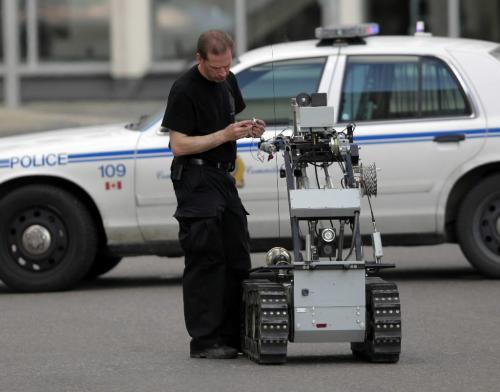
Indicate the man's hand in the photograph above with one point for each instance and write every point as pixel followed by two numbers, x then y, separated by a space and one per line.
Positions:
pixel 238 130
pixel 245 128
pixel 258 128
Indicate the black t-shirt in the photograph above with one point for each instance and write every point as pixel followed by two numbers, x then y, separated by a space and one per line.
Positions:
pixel 197 106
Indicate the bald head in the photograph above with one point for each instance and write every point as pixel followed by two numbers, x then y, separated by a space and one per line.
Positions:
pixel 216 42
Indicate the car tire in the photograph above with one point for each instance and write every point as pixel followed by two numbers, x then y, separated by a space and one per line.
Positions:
pixel 478 226
pixel 48 239
pixel 102 264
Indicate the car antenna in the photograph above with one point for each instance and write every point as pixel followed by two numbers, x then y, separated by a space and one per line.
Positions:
pixel 275 130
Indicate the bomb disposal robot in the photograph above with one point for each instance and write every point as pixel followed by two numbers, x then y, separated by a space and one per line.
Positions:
pixel 329 292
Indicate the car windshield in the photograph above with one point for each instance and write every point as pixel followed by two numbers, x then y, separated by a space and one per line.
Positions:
pixel 145 121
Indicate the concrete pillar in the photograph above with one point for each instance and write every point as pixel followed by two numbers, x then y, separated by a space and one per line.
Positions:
pixel 131 25
pixel 240 29
pixel 32 33
pixel 352 11
pixel 453 18
pixel 336 12
pixel 11 54
pixel 330 14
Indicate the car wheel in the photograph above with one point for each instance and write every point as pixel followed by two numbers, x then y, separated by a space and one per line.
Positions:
pixel 47 239
pixel 478 226
pixel 103 263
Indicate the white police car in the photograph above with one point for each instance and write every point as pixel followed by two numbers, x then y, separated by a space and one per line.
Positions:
pixel 73 202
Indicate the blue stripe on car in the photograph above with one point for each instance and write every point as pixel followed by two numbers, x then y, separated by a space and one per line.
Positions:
pixel 416 137
pixel 100 154
pixel 119 155
pixel 420 135
pixel 154 150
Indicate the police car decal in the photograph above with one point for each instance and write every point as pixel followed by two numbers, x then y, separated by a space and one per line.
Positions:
pixel 31 161
pixel 4 163
pixel 62 159
pixel 113 185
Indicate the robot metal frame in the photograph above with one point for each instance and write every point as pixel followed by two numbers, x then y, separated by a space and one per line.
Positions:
pixel 325 295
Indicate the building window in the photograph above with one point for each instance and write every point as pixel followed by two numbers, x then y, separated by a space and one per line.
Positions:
pixel 267 88
pixel 479 19
pixel 400 87
pixel 177 25
pixel 383 12
pixel 73 30
pixel 276 21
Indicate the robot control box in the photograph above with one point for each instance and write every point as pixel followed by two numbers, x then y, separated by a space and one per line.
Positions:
pixel 329 306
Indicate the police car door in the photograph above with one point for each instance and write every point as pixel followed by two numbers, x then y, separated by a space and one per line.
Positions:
pixel 417 120
pixel 155 196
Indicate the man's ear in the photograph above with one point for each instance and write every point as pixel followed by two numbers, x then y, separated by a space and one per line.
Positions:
pixel 198 58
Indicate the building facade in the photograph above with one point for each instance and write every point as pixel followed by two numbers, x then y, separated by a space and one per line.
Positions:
pixel 134 48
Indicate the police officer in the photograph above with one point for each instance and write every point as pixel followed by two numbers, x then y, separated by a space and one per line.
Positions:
pixel 213 229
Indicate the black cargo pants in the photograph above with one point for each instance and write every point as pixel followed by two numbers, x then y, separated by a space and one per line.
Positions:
pixel 213 233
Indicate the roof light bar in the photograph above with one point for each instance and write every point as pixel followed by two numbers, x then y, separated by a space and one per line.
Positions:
pixel 347 31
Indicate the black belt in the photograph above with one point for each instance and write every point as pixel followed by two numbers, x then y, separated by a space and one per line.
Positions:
pixel 226 166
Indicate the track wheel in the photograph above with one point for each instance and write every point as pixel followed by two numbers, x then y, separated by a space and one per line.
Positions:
pixel 383 323
pixel 266 322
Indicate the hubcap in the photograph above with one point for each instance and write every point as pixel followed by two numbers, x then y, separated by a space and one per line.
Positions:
pixel 36 239
pixel 498 225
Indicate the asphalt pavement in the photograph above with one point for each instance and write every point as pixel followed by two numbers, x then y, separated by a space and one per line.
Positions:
pixel 125 332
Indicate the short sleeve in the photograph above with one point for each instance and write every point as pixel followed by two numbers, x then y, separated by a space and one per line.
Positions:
pixel 239 103
pixel 179 114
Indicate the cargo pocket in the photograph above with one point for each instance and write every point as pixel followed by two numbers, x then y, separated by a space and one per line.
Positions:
pixel 200 236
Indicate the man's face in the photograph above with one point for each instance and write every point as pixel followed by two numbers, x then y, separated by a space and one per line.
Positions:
pixel 215 67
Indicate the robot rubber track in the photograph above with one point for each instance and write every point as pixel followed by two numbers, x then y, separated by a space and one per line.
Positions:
pixel 266 323
pixel 383 335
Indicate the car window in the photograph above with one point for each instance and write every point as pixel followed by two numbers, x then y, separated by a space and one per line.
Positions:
pixel 145 121
pixel 399 87
pixel 442 95
pixel 267 88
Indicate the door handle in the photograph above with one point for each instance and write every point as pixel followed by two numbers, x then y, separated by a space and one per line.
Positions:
pixel 458 137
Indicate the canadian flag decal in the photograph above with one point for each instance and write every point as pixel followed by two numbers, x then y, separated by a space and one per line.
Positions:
pixel 110 185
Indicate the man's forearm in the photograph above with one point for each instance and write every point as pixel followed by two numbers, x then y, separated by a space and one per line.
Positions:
pixel 182 144
pixel 187 145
